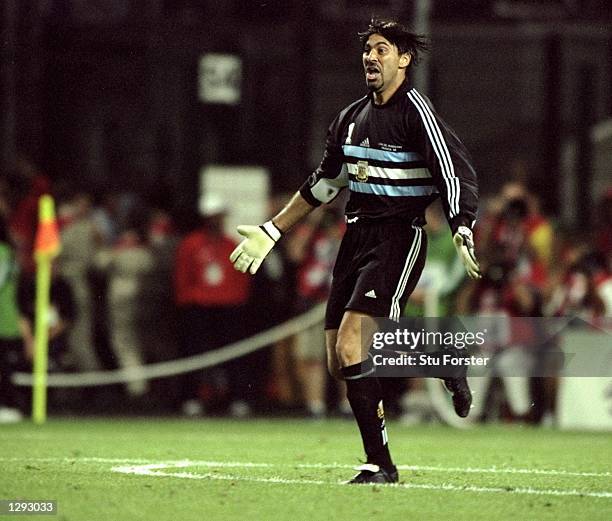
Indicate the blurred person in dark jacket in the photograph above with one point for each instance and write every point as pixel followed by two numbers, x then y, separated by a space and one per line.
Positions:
pixel 602 240
pixel 60 317
pixel 313 246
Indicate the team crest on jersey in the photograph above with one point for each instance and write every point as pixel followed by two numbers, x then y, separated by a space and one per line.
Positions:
pixel 362 171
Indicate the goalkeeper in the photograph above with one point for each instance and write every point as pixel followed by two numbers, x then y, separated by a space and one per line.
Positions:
pixel 395 155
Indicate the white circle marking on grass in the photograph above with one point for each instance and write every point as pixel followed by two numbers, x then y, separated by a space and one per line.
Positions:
pixel 238 464
pixel 159 470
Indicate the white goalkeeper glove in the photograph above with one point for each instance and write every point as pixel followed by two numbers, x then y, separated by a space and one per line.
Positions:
pixel 464 244
pixel 251 252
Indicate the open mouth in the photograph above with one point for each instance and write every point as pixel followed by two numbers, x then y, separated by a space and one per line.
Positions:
pixel 372 72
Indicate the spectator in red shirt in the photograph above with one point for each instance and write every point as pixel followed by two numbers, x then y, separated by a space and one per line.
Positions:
pixel 24 218
pixel 209 295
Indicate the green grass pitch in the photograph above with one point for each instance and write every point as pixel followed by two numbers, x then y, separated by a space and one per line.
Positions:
pixel 170 469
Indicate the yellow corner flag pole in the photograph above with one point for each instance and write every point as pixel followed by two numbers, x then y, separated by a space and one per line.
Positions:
pixel 47 247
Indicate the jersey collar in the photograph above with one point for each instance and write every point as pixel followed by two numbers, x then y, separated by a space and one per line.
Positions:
pixel 397 95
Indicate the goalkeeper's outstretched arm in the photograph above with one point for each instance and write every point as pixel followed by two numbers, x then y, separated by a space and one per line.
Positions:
pixel 259 240
pixel 321 187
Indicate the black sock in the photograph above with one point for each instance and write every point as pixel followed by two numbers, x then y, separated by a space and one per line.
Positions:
pixel 364 393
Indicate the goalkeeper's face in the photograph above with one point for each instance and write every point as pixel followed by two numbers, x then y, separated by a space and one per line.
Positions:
pixel 384 66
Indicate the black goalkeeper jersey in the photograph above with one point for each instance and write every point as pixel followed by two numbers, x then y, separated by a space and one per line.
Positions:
pixel 395 160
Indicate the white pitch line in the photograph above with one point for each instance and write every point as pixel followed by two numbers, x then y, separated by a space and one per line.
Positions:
pixel 75 459
pixel 237 464
pixel 506 470
pixel 471 470
pixel 144 467
pixel 153 470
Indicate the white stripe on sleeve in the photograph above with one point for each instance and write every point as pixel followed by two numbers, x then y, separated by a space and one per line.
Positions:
pixel 440 149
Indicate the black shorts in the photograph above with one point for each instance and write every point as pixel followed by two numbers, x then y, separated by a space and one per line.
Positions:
pixel 377 268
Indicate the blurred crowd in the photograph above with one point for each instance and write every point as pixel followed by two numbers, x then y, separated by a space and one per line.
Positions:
pixel 135 285
pixel 532 267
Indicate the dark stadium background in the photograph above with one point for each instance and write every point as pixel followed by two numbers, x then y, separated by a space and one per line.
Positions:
pixel 103 93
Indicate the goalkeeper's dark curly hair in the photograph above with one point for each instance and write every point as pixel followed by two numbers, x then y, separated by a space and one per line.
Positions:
pixel 400 35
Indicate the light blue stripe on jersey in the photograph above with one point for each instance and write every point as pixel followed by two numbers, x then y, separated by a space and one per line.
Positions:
pixel 380 155
pixel 390 190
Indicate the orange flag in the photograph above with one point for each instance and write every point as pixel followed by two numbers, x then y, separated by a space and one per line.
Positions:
pixel 47 241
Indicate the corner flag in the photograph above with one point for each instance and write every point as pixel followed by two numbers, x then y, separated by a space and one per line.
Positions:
pixel 46 248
